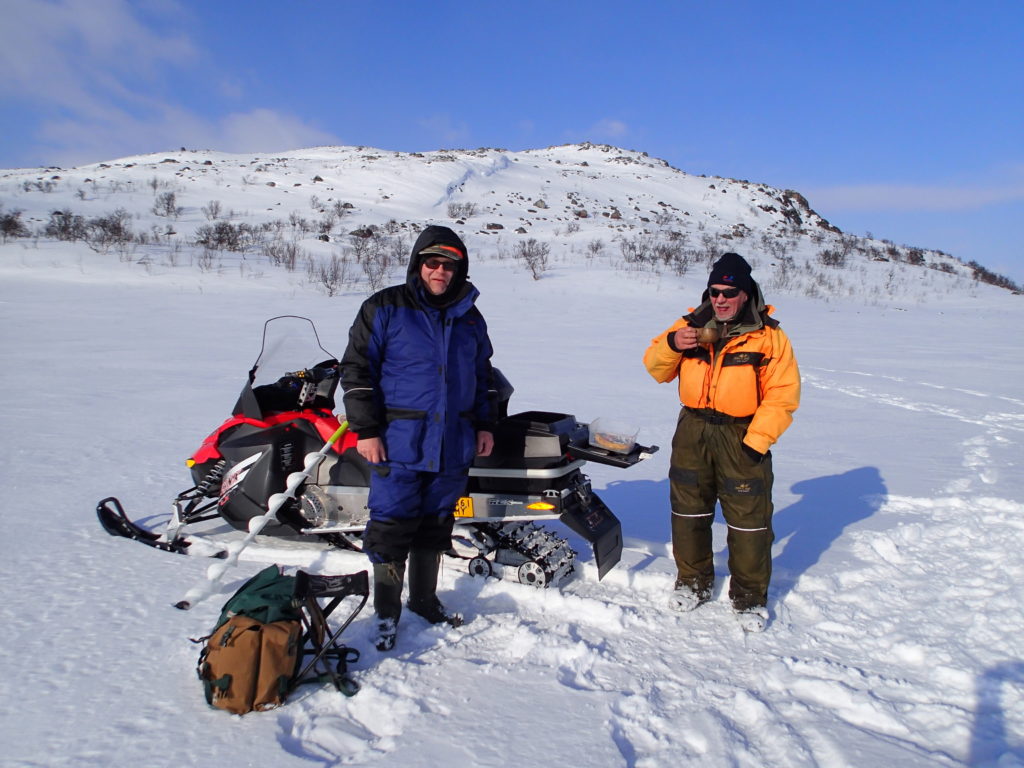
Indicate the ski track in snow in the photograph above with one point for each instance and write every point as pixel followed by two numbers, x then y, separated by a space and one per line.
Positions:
pixel 995 420
pixel 1001 427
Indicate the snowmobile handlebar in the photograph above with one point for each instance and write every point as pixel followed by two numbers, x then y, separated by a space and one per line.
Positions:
pixel 320 372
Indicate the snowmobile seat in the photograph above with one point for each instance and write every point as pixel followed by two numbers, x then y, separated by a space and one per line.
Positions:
pixel 323 657
pixel 532 440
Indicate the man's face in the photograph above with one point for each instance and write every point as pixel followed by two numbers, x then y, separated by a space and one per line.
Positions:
pixel 437 272
pixel 726 308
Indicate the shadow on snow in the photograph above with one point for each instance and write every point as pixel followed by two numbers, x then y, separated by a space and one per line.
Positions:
pixel 807 528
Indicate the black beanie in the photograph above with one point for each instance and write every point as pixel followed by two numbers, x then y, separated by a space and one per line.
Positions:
pixel 732 269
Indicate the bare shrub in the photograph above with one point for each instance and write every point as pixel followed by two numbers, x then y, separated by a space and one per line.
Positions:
pixel 983 275
pixel 398 249
pixel 915 256
pixel 832 258
pixel 461 210
pixel 331 274
pixel 775 246
pixel 212 210
pixel 64 225
pixel 847 244
pixel 326 224
pixel 156 234
pixel 173 254
pixel 11 225
pixel 300 226
pixel 110 231
pixel 672 254
pixel 206 260
pixel 785 274
pixel 710 249
pixel 282 254
pixel 39 186
pixel 166 204
pixel 373 257
pixel 638 251
pixel 534 254
pixel 222 236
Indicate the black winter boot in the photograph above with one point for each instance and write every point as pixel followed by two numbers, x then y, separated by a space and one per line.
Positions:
pixel 387 602
pixel 423 567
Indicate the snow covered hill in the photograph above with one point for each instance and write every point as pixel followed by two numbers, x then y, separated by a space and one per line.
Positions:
pixel 899 580
pixel 583 202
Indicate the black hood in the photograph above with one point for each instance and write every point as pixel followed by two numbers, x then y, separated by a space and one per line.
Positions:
pixel 438 235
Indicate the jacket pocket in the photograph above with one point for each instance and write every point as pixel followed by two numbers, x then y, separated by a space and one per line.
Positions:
pixel 403 437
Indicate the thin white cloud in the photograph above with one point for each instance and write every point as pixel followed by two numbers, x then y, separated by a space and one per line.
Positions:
pixel 608 128
pixel 263 130
pixel 79 54
pixel 914 197
pixel 120 134
pixel 96 73
pixel 443 130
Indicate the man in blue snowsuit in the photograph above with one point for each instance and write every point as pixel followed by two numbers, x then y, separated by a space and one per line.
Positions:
pixel 417 376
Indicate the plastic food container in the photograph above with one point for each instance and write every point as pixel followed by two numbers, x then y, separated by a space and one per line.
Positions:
pixel 613 435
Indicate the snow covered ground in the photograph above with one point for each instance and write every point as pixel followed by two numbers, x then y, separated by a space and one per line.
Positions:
pixel 899 579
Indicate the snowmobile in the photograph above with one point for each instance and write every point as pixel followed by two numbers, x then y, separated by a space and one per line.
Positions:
pixel 533 475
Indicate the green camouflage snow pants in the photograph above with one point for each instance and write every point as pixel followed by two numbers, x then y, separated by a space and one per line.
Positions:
pixel 708 464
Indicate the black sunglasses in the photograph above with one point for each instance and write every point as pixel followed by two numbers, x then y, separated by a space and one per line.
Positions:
pixel 729 293
pixel 446 264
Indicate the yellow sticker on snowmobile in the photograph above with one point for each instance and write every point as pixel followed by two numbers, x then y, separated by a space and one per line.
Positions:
pixel 464 507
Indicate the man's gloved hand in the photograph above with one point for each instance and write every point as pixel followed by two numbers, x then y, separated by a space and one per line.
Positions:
pixel 754 456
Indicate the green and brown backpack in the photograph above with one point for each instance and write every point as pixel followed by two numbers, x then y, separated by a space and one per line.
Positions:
pixel 273 635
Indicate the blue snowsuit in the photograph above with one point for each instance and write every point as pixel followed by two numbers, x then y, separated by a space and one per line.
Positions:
pixel 417 374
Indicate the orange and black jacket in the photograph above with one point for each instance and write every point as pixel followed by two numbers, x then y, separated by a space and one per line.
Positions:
pixel 751 371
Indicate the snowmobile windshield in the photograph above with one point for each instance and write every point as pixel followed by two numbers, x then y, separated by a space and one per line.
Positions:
pixel 290 343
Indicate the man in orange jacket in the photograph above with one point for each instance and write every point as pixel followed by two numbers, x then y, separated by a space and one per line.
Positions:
pixel 739 385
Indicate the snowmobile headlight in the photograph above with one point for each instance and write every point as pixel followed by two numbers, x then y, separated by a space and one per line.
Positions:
pixel 541 506
pixel 190 463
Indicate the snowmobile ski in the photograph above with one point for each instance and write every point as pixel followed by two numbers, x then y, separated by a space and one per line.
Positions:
pixel 117 523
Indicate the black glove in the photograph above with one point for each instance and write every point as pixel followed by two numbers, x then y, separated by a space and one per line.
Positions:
pixel 754 456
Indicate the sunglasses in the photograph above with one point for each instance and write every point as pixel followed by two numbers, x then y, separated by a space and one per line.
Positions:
pixel 729 293
pixel 446 264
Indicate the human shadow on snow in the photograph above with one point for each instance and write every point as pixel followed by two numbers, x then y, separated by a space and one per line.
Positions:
pixel 992 742
pixel 804 530
pixel 807 528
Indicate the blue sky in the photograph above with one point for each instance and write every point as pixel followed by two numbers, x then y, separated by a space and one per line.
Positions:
pixel 903 119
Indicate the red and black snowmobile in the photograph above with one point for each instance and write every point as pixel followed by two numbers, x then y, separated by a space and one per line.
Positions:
pixel 533 475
